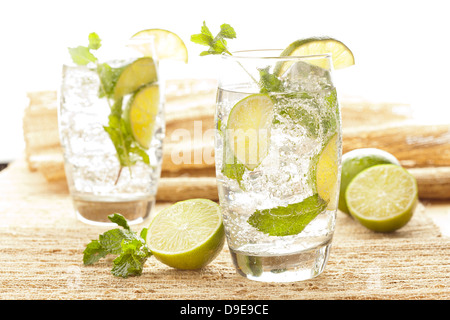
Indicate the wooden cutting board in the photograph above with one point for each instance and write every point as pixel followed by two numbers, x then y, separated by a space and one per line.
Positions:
pixel 424 149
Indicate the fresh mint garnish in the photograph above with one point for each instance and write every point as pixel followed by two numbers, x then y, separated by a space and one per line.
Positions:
pixel 128 150
pixel 234 170
pixel 131 249
pixel 289 220
pixel 269 82
pixel 217 44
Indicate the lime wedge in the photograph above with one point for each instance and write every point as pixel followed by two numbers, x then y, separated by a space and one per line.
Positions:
pixel 141 112
pixel 168 45
pixel 138 73
pixel 327 173
pixel 187 235
pixel 248 129
pixel 341 55
pixel 382 197
pixel 355 161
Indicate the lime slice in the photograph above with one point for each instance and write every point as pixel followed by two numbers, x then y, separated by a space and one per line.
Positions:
pixel 248 129
pixel 383 197
pixel 138 73
pixel 355 161
pixel 341 55
pixel 168 45
pixel 141 112
pixel 188 234
pixel 327 173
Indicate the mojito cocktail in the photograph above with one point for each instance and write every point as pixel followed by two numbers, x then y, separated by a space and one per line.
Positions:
pixel 278 151
pixel 112 127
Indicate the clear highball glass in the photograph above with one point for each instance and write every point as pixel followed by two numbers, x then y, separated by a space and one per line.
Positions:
pixel 278 150
pixel 112 132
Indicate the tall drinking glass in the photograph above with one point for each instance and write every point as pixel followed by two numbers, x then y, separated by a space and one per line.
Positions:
pixel 278 158
pixel 111 124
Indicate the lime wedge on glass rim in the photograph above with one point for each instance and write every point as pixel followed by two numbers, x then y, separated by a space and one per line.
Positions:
pixel 382 197
pixel 168 45
pixel 248 129
pixel 341 55
pixel 141 112
pixel 187 235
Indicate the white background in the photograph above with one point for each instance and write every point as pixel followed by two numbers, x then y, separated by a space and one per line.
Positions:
pixel 401 48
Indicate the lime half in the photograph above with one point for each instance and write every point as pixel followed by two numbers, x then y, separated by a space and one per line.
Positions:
pixel 187 235
pixel 141 113
pixel 327 173
pixel 248 129
pixel 168 45
pixel 355 161
pixel 383 197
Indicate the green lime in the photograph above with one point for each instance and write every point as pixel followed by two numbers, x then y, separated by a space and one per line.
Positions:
pixel 383 197
pixel 355 161
pixel 187 235
pixel 140 72
pixel 168 45
pixel 341 55
pixel 248 129
pixel 141 112
pixel 327 173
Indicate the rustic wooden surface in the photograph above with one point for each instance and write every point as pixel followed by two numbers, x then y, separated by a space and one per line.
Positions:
pixel 41 245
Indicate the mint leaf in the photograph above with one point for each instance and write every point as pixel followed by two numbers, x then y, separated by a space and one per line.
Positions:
pixel 111 240
pixel 81 55
pixel 116 133
pixel 269 82
pixel 132 259
pixel 94 252
pixel 119 220
pixel 289 220
pixel 226 31
pixel 218 44
pixel 330 119
pixel 204 38
pixel 231 167
pixel 94 41
pixel 108 79
pixel 234 171
pixel 139 153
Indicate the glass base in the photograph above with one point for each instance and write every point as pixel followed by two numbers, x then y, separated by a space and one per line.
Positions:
pixel 298 266
pixel 97 212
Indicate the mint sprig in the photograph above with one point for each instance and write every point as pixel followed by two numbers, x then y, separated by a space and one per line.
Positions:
pixel 217 44
pixel 127 149
pixel 131 249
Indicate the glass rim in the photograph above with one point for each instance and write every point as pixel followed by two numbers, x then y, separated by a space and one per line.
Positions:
pixel 242 54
